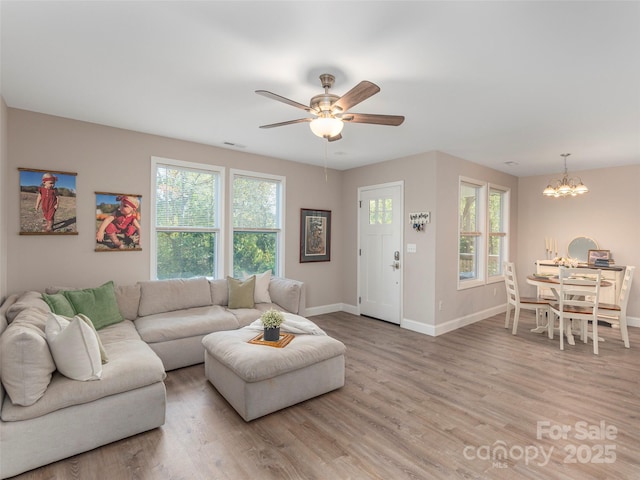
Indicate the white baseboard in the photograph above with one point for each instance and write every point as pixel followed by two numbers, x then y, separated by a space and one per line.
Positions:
pixel 432 330
pixel 435 330
pixel 336 307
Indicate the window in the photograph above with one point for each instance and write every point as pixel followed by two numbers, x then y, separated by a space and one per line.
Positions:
pixel 186 219
pixel 483 239
pixel 498 219
pixel 471 225
pixel 257 214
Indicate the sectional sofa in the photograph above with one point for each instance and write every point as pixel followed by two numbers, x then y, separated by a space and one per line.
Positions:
pixel 140 332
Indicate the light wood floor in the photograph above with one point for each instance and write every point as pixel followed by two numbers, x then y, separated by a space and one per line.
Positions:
pixel 413 407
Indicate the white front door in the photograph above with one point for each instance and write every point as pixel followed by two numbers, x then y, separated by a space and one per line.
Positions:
pixel 380 251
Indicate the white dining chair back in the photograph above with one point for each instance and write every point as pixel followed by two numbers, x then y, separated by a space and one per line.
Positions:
pixel 578 300
pixel 540 305
pixel 617 313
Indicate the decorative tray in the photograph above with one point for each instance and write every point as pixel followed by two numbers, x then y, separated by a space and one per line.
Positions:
pixel 285 338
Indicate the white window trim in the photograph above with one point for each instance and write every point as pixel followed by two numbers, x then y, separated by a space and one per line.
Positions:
pixel 233 172
pixel 483 277
pixel 482 225
pixel 506 217
pixel 220 248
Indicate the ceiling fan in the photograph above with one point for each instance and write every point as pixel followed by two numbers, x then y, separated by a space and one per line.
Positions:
pixel 331 111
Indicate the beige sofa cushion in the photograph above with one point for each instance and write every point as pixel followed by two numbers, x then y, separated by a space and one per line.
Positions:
pixel 132 364
pixel 27 364
pixel 163 327
pixel 246 316
pixel 219 291
pixel 26 300
pixel 128 298
pixel 158 296
pixel 286 293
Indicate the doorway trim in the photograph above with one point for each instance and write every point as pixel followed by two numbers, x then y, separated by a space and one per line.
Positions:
pixel 399 183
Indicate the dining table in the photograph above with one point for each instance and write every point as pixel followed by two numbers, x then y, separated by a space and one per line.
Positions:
pixel 552 282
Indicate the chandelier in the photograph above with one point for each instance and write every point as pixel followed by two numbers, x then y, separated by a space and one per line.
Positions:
pixel 567 186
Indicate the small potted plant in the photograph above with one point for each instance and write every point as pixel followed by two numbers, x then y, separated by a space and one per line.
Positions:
pixel 272 319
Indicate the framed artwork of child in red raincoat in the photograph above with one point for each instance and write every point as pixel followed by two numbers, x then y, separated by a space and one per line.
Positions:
pixel 117 222
pixel 47 202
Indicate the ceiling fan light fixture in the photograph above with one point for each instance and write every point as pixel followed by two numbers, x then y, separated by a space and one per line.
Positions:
pixel 326 127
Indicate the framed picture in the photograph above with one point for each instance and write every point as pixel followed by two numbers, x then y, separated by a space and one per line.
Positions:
pixel 117 222
pixel 315 235
pixel 47 202
pixel 598 255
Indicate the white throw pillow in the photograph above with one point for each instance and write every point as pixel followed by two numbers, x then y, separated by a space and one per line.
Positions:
pixel 74 347
pixel 261 290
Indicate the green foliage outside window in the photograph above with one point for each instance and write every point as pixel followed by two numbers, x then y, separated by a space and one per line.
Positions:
pixel 185 254
pixel 186 222
pixel 256 223
pixel 253 252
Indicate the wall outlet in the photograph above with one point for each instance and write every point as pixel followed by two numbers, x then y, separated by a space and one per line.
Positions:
pixel 440 305
pixel 495 291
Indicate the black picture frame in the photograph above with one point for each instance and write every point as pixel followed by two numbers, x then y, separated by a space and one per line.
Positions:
pixel 315 235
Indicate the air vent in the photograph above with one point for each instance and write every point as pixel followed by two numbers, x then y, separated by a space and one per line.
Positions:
pixel 231 144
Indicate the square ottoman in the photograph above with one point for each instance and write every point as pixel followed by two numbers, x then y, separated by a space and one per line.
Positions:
pixel 260 379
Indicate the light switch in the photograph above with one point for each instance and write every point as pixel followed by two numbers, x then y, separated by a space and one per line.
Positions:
pixel 411 248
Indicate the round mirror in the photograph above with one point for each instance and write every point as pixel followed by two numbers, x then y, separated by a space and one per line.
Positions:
pixel 579 248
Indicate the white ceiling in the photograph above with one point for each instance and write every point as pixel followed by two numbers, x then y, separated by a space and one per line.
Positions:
pixel 491 82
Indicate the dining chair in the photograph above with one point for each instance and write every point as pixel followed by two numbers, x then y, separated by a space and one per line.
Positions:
pixel 617 313
pixel 578 300
pixel 540 305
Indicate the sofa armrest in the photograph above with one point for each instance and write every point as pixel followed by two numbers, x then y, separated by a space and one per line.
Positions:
pixel 289 294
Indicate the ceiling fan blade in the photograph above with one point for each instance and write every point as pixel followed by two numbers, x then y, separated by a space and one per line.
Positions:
pixel 290 122
pixel 357 94
pixel 393 120
pixel 333 139
pixel 282 99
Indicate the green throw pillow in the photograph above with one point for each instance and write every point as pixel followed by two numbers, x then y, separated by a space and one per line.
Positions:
pixel 241 292
pixel 59 304
pixel 99 304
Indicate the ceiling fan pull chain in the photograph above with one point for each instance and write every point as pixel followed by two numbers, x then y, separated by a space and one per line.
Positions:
pixel 326 149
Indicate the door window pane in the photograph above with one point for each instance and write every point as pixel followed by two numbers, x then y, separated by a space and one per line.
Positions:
pixel 381 211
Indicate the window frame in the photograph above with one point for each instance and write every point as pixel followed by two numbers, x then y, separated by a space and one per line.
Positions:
pixel 479 234
pixel 483 233
pixel 220 213
pixel 281 216
pixel 504 254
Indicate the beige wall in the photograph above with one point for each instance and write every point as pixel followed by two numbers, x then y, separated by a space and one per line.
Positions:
pixel 113 160
pixel 609 213
pixel 3 202
pixel 430 274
